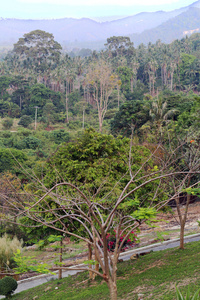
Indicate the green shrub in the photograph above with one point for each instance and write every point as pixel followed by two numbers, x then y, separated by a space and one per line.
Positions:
pixel 7 286
pixel 7 250
pixel 74 125
pixel 9 158
pixel 60 136
pixel 21 131
pixel 29 142
pixel 25 121
pixel 5 134
pixel 7 123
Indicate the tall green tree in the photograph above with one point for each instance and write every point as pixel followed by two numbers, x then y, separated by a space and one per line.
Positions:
pixel 120 45
pixel 39 49
pixel 130 117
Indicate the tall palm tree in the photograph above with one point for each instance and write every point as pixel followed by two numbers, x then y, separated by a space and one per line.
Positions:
pixel 159 112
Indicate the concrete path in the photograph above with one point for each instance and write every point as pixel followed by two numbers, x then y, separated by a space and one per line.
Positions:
pixel 160 246
pixel 38 280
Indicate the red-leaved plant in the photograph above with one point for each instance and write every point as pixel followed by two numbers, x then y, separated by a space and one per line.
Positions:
pixel 129 242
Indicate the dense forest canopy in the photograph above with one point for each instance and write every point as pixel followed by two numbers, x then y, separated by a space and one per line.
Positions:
pixel 95 90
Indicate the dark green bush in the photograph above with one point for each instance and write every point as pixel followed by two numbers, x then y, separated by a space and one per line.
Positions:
pixel 5 134
pixel 25 121
pixel 30 142
pixel 74 125
pixel 60 136
pixel 7 123
pixel 9 158
pixel 7 286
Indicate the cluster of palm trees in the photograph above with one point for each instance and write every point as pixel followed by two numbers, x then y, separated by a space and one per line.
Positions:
pixel 158 66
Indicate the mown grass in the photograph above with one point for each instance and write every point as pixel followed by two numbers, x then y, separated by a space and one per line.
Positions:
pixel 154 275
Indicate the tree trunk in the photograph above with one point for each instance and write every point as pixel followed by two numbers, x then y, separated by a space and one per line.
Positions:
pixel 181 246
pixel 96 268
pixel 113 290
pixel 20 102
pixel 118 96
pixel 184 218
pixel 96 265
pixel 182 223
pixel 100 120
pixel 172 74
pixel 153 81
pixel 67 110
pixel 83 117
pixel 60 260
pixel 90 258
pixel 149 84
pixel 131 84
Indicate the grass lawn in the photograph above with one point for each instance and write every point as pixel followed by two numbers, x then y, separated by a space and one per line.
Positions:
pixel 154 275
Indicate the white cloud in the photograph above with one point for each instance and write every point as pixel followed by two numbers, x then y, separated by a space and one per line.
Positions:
pixel 102 2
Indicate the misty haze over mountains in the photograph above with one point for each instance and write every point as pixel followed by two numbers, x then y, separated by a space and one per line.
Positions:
pixel 87 33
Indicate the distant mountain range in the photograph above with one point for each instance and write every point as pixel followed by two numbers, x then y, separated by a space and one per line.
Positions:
pixel 88 33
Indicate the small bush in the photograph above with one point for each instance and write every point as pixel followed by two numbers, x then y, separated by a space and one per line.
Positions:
pixel 7 286
pixel 21 131
pixel 7 123
pixel 29 142
pixel 25 121
pixel 74 125
pixel 60 136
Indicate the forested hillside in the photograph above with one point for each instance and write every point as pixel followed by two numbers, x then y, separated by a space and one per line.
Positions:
pixel 178 27
pixel 143 27
pixel 93 146
pixel 144 89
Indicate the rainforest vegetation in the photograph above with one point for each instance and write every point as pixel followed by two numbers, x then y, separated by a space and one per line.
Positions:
pixel 122 123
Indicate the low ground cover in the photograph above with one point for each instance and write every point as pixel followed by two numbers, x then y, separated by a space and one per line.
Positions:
pixel 154 275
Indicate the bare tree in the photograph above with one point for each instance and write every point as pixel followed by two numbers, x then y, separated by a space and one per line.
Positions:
pixel 98 218
pixel 189 159
pixel 102 82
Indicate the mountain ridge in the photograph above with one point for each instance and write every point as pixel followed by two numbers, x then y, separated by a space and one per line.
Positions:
pixel 72 32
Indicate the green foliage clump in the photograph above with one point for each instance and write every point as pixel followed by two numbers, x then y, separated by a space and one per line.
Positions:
pixel 29 263
pixel 7 123
pixel 7 250
pixel 60 136
pixel 9 157
pixel 30 142
pixel 97 160
pixel 74 125
pixel 7 286
pixel 23 132
pixel 131 115
pixel 25 121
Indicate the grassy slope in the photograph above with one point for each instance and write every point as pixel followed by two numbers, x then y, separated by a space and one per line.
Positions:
pixel 154 275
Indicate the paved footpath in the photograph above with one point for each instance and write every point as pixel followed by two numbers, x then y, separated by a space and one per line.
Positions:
pixel 38 280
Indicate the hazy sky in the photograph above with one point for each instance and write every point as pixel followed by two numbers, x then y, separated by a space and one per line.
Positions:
pixel 37 9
